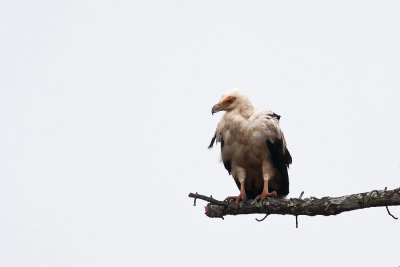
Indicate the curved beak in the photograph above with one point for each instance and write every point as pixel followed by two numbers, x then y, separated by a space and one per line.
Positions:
pixel 216 108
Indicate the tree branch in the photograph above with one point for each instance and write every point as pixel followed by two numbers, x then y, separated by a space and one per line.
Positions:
pixel 296 206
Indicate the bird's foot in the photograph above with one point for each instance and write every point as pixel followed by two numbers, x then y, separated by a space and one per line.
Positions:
pixel 264 195
pixel 237 198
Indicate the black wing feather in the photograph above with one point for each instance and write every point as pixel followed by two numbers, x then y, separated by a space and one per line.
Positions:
pixel 281 162
pixel 227 163
pixel 212 141
pixel 276 116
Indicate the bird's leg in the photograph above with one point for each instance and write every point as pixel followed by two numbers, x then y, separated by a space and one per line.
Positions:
pixel 268 171
pixel 239 174
pixel 265 193
pixel 242 195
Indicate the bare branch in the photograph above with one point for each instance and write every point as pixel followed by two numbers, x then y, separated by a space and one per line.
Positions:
pixel 310 206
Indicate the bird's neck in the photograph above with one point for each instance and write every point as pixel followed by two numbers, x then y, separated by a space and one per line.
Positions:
pixel 244 111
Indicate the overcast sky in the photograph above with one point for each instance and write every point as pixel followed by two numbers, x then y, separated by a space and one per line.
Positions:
pixel 105 122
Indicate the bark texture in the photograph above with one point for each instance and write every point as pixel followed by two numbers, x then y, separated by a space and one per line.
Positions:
pixel 296 206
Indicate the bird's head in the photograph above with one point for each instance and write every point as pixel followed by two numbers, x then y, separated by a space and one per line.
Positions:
pixel 230 101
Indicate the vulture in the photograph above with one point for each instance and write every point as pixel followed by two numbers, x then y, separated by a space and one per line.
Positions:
pixel 253 148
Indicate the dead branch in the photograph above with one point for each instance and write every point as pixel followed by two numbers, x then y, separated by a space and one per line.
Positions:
pixel 297 206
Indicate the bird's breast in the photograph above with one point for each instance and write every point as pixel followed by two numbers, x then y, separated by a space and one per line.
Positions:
pixel 245 149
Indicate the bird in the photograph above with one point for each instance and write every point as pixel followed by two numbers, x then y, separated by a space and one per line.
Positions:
pixel 253 148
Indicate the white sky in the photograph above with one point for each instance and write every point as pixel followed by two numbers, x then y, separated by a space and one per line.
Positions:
pixel 105 122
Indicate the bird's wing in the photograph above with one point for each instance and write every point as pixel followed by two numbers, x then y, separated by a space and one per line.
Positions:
pixel 227 161
pixel 213 140
pixel 268 123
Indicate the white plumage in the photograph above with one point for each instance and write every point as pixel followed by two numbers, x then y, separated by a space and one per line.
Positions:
pixel 253 147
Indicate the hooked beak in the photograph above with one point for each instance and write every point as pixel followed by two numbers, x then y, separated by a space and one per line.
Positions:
pixel 216 108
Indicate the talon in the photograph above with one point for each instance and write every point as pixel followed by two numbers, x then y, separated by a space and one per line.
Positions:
pixel 237 198
pixel 230 198
pixel 240 197
pixel 264 195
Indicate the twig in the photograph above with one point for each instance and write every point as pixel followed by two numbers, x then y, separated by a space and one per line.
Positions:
pixel 194 202
pixel 297 216
pixel 260 220
pixel 394 217
pixel 388 211
pixel 209 199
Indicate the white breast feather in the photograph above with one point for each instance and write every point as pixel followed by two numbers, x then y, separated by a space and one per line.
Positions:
pixel 245 139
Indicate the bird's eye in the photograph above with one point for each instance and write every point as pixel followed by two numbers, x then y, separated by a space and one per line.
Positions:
pixel 230 99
